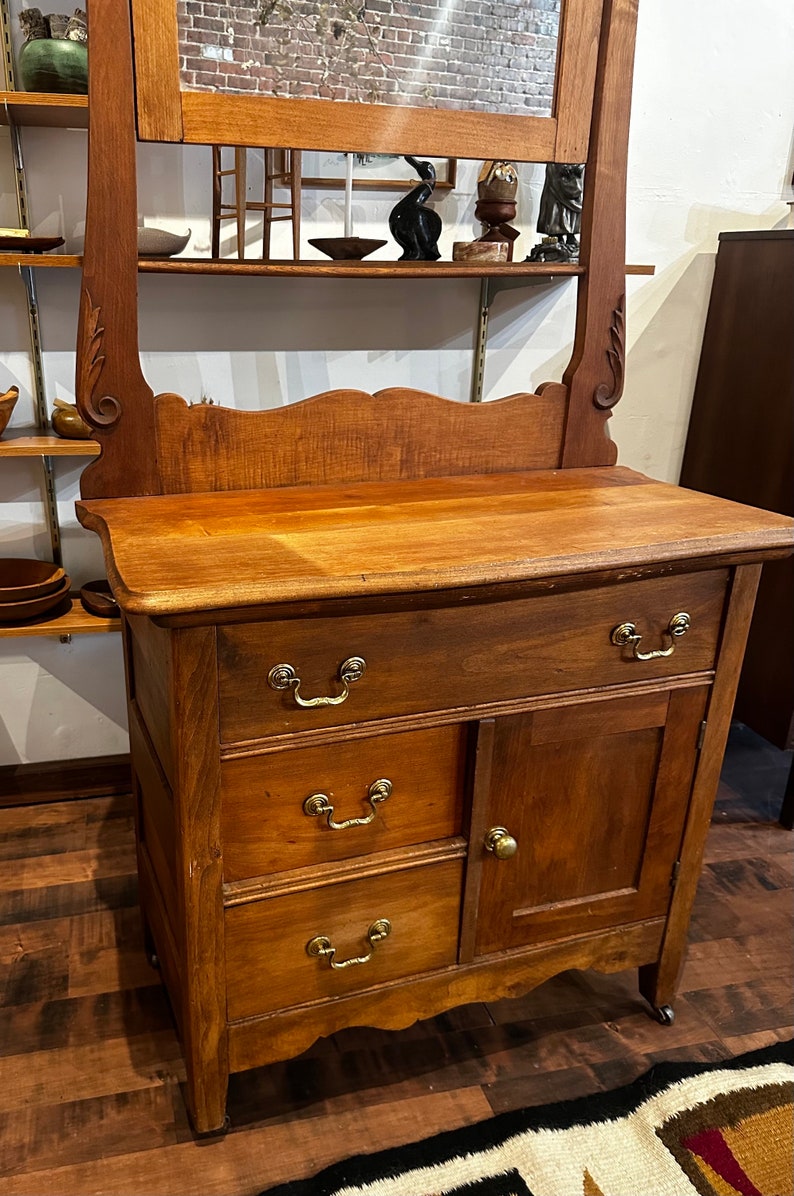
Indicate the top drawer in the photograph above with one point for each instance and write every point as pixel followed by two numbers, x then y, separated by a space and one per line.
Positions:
pixel 458 657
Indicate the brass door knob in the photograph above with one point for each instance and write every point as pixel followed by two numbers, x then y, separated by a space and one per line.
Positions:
pixel 501 843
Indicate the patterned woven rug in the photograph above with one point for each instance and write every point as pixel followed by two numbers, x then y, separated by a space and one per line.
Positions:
pixel 722 1129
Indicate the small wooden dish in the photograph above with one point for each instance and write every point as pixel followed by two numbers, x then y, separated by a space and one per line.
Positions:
pixel 15 612
pixel 97 598
pixel 24 580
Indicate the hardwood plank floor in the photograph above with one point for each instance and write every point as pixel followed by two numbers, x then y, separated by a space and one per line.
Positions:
pixel 90 1069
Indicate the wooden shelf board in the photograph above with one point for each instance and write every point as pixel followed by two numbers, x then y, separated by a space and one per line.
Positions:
pixel 45 109
pixel 23 443
pixel 71 619
pixel 329 269
pixel 40 259
pixel 318 268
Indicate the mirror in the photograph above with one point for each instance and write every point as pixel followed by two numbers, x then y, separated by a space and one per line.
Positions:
pixel 476 56
pixel 451 78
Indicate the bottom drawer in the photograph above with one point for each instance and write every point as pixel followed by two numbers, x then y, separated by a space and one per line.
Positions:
pixel 268 966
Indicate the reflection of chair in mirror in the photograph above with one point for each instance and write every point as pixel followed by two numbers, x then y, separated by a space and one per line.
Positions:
pixel 281 168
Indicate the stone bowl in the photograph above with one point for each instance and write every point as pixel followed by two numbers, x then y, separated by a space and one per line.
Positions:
pixel 158 242
pixel 346 249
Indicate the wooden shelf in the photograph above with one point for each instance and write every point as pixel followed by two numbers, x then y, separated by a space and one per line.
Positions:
pixel 328 269
pixel 318 268
pixel 44 109
pixel 40 259
pixel 22 443
pixel 71 619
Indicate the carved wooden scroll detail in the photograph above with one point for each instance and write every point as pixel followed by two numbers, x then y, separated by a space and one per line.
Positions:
pixel 605 396
pixel 106 411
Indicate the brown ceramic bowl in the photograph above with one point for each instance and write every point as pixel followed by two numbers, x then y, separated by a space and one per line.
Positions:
pixel 16 612
pixel 97 598
pixel 23 580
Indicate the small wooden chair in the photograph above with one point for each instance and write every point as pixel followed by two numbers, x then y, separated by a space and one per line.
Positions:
pixel 281 167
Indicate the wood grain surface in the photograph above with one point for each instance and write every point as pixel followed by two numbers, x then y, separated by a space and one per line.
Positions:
pixel 192 552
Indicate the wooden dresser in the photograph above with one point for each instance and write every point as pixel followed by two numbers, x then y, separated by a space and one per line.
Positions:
pixel 471 740
pixel 427 699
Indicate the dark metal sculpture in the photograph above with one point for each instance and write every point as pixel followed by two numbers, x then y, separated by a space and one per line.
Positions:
pixel 560 214
pixel 415 228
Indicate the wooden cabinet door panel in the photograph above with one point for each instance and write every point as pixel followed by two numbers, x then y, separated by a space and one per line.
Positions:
pixel 595 795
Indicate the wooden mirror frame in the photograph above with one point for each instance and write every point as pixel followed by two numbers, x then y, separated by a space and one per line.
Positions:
pixel 167 112
pixel 112 393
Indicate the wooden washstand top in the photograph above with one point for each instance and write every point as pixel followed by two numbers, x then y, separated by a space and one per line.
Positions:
pixel 182 553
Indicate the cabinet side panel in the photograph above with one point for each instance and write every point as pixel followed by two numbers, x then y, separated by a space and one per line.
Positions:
pixel 658 983
pixel 199 870
pixel 149 667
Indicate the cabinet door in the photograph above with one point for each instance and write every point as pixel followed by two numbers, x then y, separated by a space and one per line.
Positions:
pixel 595 794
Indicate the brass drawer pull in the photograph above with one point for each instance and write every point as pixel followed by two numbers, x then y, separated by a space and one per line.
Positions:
pixel 282 676
pixel 320 946
pixel 626 634
pixel 320 803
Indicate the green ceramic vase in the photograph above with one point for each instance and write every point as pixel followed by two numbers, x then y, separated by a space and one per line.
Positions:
pixel 54 65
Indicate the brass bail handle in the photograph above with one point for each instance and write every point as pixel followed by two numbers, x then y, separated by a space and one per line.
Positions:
pixel 626 635
pixel 320 946
pixel 284 676
pixel 319 804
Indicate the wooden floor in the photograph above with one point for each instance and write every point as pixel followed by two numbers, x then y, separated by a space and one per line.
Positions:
pixel 90 1069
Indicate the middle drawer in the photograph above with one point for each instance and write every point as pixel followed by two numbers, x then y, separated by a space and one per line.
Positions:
pixel 275 807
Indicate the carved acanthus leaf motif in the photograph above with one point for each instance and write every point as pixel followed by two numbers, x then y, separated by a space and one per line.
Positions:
pixel 106 410
pixel 606 396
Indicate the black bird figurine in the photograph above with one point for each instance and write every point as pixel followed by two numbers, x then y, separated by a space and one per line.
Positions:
pixel 415 228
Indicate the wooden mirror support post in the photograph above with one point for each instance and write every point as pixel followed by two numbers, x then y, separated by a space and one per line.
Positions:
pixel 427 700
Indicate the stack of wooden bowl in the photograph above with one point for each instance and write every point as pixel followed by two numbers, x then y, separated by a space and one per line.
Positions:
pixel 30 589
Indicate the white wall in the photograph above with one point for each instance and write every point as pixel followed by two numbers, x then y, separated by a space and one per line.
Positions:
pixel 711 150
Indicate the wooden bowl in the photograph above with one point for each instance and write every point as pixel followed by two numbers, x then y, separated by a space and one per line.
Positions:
pixel 97 598
pixel 23 580
pixel 8 402
pixel 16 612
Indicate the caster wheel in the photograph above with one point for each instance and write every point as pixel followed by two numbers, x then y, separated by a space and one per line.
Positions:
pixel 665 1014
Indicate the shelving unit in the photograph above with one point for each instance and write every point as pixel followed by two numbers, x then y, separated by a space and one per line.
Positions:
pixel 20 109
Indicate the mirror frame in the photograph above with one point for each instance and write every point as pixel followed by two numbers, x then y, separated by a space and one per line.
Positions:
pixel 167 112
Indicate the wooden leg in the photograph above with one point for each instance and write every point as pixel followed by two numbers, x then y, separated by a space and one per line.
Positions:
pixel 658 982
pixel 787 809
pixel 240 186
pixel 217 197
pixel 267 214
pixel 296 169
